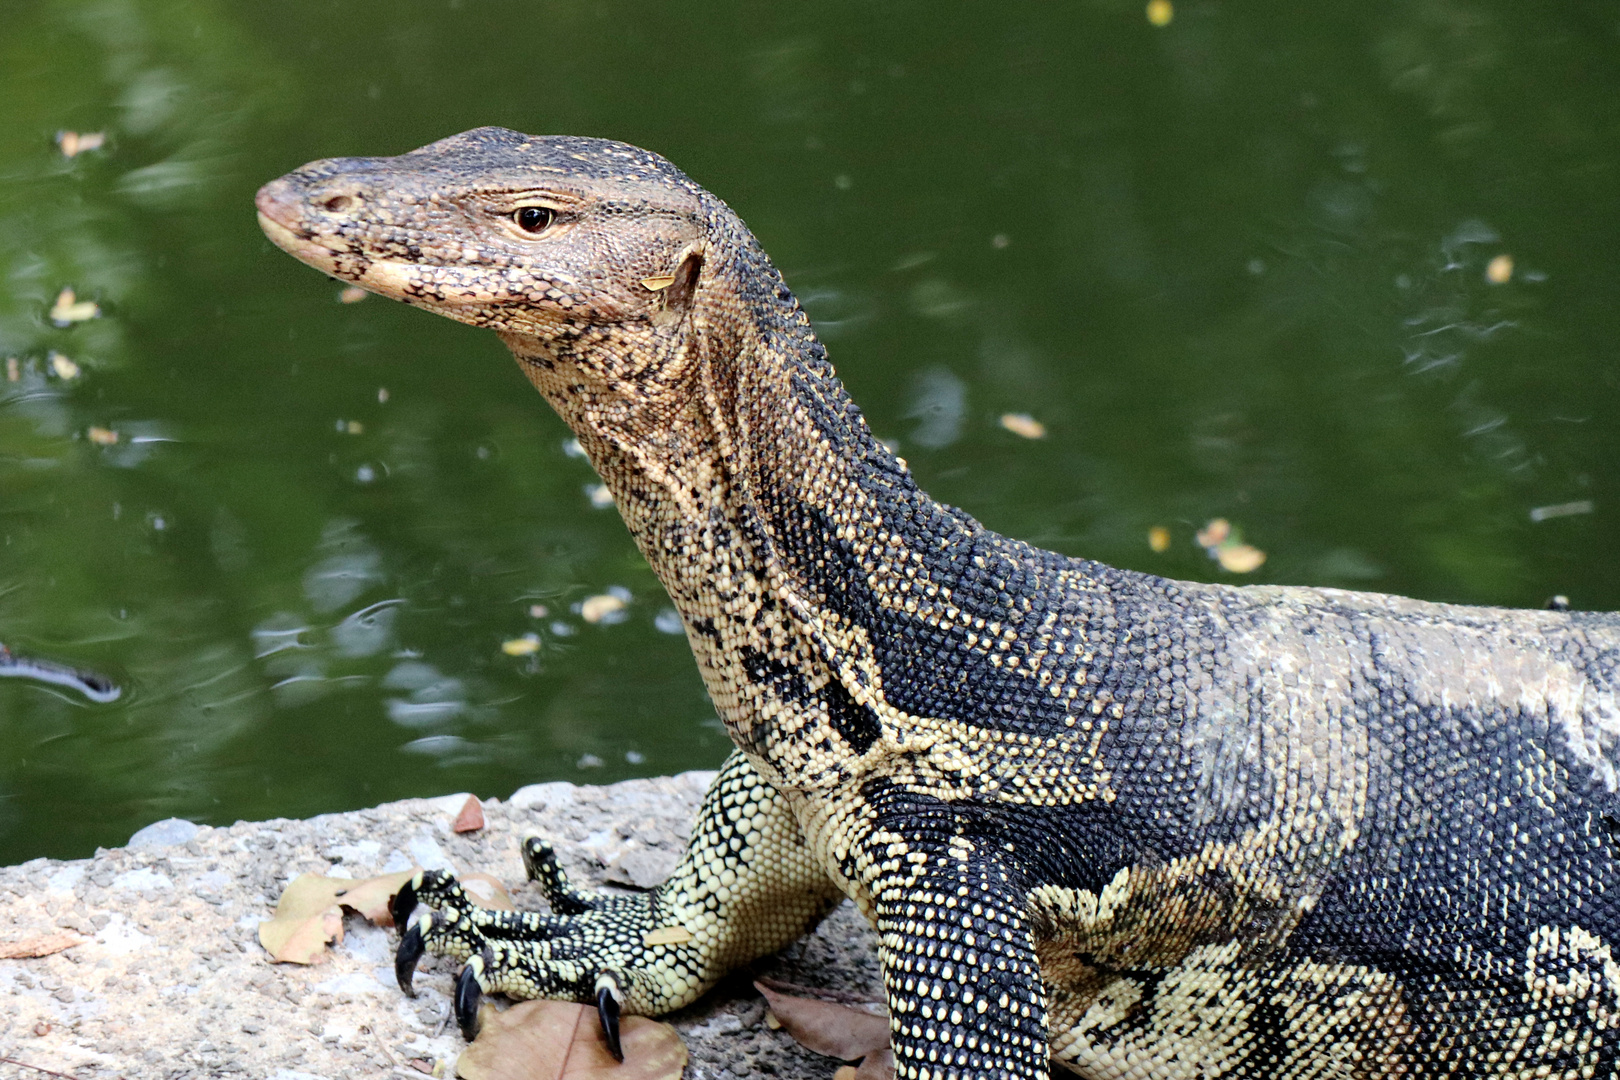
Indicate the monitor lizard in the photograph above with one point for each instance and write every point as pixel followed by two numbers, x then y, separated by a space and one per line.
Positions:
pixel 1132 826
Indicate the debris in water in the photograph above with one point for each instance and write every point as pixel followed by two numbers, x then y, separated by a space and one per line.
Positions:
pixel 1225 545
pixel 351 294
pixel 72 143
pixel 1159 539
pixel 102 436
pixel 1499 271
pixel 1160 12
pixel 1569 509
pixel 69 309
pixel 527 645
pixel 1023 424
pixel 602 608
pixel 64 368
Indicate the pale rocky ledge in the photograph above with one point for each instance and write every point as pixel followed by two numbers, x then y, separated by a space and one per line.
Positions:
pixel 170 981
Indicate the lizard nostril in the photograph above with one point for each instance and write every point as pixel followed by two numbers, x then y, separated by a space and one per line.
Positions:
pixel 338 203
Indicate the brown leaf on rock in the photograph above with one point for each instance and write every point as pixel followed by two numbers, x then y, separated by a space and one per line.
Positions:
pixel 471 818
pixel 845 1032
pixel 369 897
pixel 878 1065
pixel 307 917
pixel 30 948
pixel 485 891
pixel 559 1040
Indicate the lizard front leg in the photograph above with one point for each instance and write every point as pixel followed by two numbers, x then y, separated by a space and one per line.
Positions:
pixel 966 1001
pixel 747 886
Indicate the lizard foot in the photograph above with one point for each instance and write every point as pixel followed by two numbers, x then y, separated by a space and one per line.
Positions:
pixel 621 953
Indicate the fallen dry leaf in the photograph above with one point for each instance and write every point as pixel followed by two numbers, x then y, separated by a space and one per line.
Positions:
pixel 487 892
pixel 1024 425
pixel 666 935
pixel 559 1040
pixel 307 917
pixel 878 1065
pixel 596 608
pixel 1159 538
pixel 471 818
pixel 102 436
pixel 369 897
pixel 29 948
pixel 845 1032
pixel 69 309
pixel 72 143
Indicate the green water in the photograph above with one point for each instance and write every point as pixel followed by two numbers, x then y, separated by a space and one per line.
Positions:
pixel 1238 266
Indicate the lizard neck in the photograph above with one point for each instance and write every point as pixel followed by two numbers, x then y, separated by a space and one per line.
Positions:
pixel 794 544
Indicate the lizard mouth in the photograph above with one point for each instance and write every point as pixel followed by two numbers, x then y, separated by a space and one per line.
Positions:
pixel 299 247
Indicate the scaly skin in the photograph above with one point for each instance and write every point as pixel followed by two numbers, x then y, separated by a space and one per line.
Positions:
pixel 1135 826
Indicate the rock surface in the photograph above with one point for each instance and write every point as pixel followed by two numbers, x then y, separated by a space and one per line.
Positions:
pixel 169 980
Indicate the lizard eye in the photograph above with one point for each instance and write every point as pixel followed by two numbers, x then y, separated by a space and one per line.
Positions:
pixel 534 219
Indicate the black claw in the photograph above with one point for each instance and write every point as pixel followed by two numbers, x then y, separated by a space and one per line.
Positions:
pixel 468 993
pixel 607 1011
pixel 403 903
pixel 410 951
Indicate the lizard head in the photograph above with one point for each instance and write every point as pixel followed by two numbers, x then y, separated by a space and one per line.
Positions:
pixel 541 238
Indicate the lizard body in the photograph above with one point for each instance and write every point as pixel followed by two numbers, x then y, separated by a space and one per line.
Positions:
pixel 1134 826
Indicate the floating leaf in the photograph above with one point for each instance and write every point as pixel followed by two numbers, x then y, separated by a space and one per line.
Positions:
pixel 1214 534
pixel 69 309
pixel 1225 545
pixel 29 948
pixel 307 917
pixel 1569 509
pixel 72 143
pixel 1024 425
pixel 1239 558
pixel 527 645
pixel 845 1032
pixel 64 368
pixel 471 818
pixel 1159 538
pixel 596 608
pixel 1499 271
pixel 559 1040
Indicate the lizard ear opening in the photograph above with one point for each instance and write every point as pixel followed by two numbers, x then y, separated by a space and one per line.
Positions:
pixel 678 295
